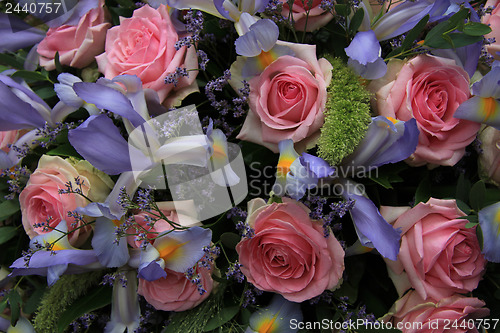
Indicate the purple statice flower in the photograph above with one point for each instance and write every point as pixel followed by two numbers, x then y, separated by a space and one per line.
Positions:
pixel 195 279
pixel 194 26
pixel 234 272
pixel 203 59
pixel 176 75
pixel 250 296
pixel 208 260
pixel 245 230
pixel 16 179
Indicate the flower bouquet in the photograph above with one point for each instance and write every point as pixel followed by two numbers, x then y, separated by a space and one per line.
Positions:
pixel 250 166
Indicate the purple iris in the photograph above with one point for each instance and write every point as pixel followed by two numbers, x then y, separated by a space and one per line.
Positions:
pixel 364 56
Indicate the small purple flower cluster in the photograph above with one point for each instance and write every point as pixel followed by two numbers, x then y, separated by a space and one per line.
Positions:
pixel 236 108
pixel 176 75
pixel 83 323
pixel 109 279
pixel 208 259
pixel 234 272
pixel 250 296
pixel 194 25
pixel 195 279
pixel 18 177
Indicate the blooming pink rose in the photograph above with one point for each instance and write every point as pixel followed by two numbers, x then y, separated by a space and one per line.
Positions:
pixel 493 20
pixel 144 45
pixel 40 200
pixel 289 253
pixel 489 159
pixel 77 44
pixel 302 14
pixel 453 314
pixel 7 138
pixel 429 89
pixel 175 292
pixel 439 256
pixel 287 100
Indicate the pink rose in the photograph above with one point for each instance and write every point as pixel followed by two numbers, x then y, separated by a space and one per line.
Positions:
pixel 144 45
pixel 289 253
pixel 429 89
pixel 454 314
pixel 302 14
pixel 489 158
pixel 77 44
pixel 439 256
pixel 287 100
pixel 176 292
pixel 40 200
pixel 7 138
pixel 493 20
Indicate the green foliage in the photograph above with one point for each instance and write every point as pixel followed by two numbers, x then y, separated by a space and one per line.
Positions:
pixel 95 299
pixel 454 32
pixel 347 115
pixel 66 290
pixel 8 208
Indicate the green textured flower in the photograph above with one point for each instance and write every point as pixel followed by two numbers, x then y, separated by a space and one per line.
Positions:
pixel 347 114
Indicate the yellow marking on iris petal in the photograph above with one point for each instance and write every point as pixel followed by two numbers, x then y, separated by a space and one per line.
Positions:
pixel 57 247
pixel 284 164
pixel 169 250
pixel 394 121
pixel 497 222
pixel 488 107
pixel 219 151
pixel 268 325
pixel 266 58
pixel 117 223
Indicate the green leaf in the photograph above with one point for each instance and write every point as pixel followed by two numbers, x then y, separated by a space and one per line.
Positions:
pixel 463 189
pixel 8 208
pixel 356 20
pixel 343 10
pixel 463 206
pixel 414 33
pixel 477 195
pixel 435 37
pixel 454 40
pixel 3 304
pixel 476 29
pixel 7 233
pixel 58 63
pixel 15 308
pixel 66 150
pixel 423 192
pixel 471 224
pixel 230 239
pixel 479 234
pixel 96 299
pixel 33 301
pixel 11 61
pixel 45 92
pixel 31 76
pixel 225 315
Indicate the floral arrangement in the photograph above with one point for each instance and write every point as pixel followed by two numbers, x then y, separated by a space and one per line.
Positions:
pixel 250 166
